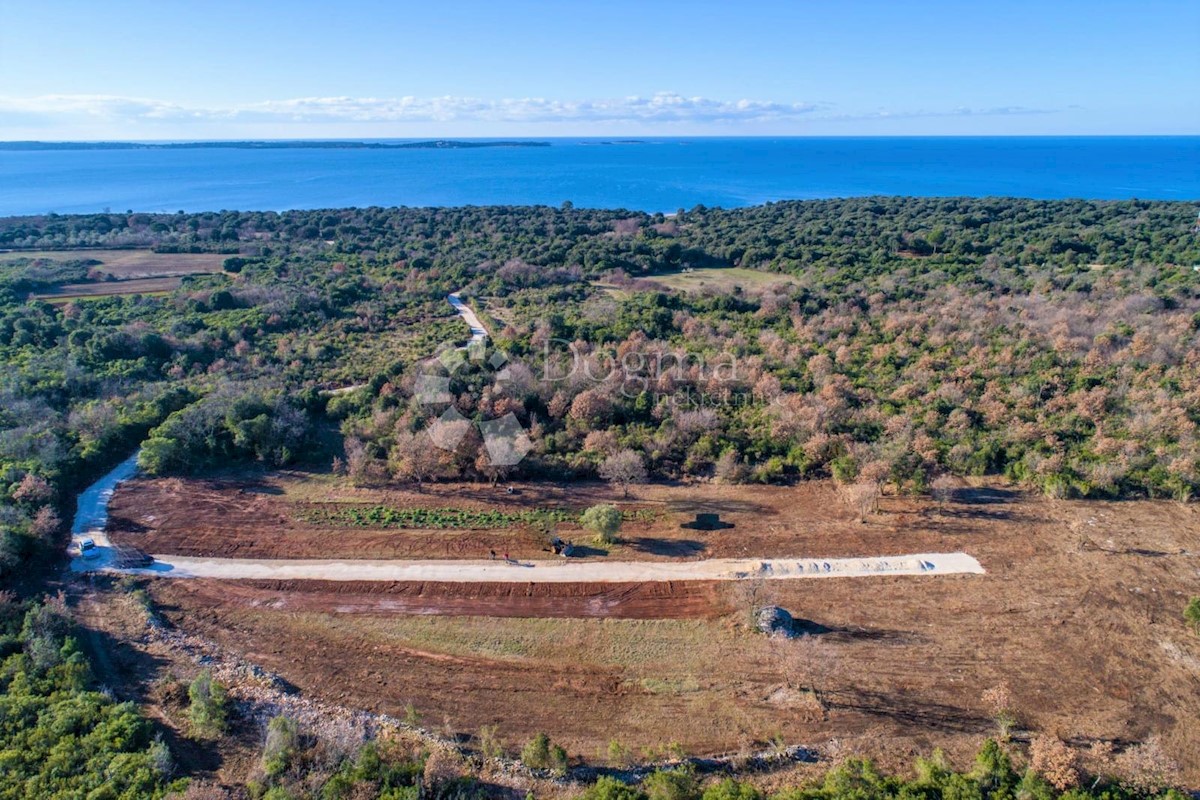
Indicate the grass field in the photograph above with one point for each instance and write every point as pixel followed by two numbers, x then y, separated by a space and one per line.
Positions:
pixel 725 279
pixel 83 291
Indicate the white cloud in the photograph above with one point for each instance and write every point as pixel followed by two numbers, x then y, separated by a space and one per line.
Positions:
pixel 663 107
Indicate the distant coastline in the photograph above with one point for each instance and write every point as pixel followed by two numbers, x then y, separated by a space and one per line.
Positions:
pixel 287 144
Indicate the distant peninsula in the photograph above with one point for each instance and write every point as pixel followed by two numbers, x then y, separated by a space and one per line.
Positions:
pixel 286 144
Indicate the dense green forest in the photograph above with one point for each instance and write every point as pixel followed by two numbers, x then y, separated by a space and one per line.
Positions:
pixel 898 340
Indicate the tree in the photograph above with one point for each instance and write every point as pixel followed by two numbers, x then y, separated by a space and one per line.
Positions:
pixel 1192 614
pixel 862 497
pixel 624 469
pixel 1000 704
pixel 604 521
pixel 208 712
pixel 942 489
pixel 1055 761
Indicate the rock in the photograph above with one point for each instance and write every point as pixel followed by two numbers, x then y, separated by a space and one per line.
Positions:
pixel 775 621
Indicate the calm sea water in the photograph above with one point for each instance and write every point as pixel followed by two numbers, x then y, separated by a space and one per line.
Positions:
pixel 649 175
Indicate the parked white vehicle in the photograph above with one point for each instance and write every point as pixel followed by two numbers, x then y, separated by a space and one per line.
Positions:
pixel 88 549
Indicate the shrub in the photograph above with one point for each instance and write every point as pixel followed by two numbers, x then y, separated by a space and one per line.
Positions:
pixel 442 767
pixel 208 712
pixel 541 753
pixel 1192 614
pixel 283 738
pixel 604 521
pixel 729 789
pixel 670 784
pixel 608 788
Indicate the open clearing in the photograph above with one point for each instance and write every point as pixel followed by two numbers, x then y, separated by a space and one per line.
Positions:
pixel 1079 613
pixel 130 271
pixel 132 264
pixel 75 291
pixel 721 279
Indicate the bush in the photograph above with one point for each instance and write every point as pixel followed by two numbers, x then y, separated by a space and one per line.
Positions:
pixel 1192 614
pixel 604 521
pixel 670 784
pixel 283 738
pixel 541 753
pixel 208 712
pixel 607 788
pixel 729 789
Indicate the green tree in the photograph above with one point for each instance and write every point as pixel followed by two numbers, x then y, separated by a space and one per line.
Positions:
pixel 604 521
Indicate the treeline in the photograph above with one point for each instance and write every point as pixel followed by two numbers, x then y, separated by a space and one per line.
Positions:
pixel 856 234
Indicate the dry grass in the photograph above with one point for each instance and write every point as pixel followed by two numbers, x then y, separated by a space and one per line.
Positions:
pixel 77 291
pixel 724 279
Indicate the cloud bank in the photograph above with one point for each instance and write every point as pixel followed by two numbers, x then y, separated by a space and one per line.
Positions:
pixel 107 113
pixel 664 107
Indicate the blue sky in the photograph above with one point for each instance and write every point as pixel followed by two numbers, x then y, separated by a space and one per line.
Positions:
pixel 171 70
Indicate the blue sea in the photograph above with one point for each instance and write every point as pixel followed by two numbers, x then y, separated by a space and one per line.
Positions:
pixel 645 174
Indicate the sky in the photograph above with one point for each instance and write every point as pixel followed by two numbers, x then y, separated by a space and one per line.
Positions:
pixel 522 68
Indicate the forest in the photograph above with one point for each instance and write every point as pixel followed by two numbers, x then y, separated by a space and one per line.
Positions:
pixel 905 342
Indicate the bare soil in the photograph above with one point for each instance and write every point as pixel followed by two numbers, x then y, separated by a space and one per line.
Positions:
pixel 1080 615
pixel 266 516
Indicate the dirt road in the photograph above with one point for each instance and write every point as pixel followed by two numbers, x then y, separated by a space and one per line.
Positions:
pixel 562 571
pixel 478 332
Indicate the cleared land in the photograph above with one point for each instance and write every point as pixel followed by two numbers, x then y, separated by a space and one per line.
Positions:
pixel 131 264
pixel 722 279
pixel 74 291
pixel 1079 614
pixel 129 271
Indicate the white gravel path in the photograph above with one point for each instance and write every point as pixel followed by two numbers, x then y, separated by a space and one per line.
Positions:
pixel 559 571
